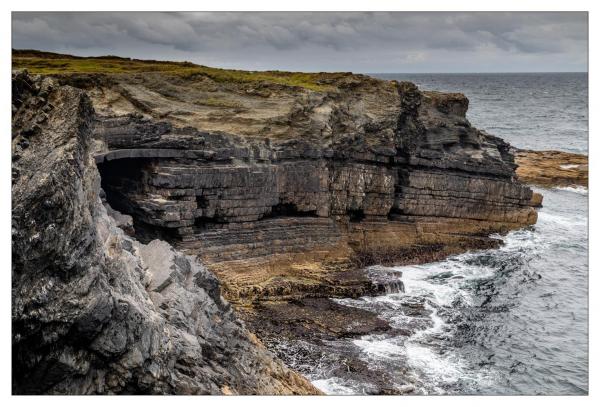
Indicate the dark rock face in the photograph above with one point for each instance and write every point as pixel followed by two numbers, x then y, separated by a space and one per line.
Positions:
pixel 372 164
pixel 286 198
pixel 210 181
pixel 312 319
pixel 93 310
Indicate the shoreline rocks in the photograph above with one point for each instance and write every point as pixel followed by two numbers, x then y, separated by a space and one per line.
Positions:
pixel 552 168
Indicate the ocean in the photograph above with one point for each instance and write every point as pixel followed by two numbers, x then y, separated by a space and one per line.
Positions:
pixel 512 320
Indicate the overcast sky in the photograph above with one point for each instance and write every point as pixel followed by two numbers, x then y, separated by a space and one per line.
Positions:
pixel 318 41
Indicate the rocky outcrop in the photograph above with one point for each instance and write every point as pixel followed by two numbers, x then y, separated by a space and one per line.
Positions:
pixel 552 168
pixel 94 310
pixel 369 171
pixel 286 193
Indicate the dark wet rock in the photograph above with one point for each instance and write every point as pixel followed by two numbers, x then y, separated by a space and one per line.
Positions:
pixel 388 280
pixel 312 319
pixel 414 306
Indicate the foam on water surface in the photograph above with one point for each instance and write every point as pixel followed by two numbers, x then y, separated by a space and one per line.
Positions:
pixel 493 321
pixel 576 190
pixel 511 320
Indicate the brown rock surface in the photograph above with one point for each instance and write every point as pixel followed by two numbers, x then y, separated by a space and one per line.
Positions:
pixel 552 168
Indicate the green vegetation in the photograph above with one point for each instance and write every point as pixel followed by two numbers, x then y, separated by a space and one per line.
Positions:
pixel 46 63
pixel 216 102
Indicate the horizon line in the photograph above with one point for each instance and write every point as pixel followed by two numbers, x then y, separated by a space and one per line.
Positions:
pixel 309 71
pixel 466 73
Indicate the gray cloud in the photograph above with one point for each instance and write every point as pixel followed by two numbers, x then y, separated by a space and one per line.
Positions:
pixel 362 42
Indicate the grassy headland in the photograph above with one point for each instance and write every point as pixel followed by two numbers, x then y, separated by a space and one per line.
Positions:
pixel 48 63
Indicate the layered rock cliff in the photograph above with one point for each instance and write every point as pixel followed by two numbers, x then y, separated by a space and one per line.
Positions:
pixel 316 183
pixel 93 310
pixel 285 186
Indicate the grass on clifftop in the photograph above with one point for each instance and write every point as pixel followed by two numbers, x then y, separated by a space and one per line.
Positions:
pixel 47 63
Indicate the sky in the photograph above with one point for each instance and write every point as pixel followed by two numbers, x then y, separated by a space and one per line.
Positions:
pixel 368 42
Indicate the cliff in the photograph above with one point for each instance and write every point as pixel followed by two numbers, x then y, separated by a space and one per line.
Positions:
pixel 93 310
pixel 287 195
pixel 284 185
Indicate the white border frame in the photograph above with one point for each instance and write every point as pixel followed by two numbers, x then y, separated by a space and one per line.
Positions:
pixel 306 5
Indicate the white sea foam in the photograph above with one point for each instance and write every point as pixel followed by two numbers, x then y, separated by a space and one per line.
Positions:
pixel 565 221
pixel 422 280
pixel 376 347
pixel 443 370
pixel 577 190
pixel 334 385
pixel 437 369
pixel 416 283
pixel 440 284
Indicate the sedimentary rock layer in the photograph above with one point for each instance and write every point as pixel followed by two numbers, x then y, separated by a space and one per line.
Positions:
pixel 368 171
pixel 93 310
pixel 552 168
